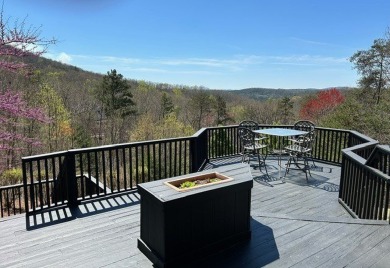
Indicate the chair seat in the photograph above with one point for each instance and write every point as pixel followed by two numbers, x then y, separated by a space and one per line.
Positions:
pixel 296 148
pixel 256 146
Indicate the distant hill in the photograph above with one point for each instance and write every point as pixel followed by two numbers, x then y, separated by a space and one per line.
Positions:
pixel 272 93
pixel 75 77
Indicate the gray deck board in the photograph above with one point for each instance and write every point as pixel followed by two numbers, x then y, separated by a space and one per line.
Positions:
pixel 294 224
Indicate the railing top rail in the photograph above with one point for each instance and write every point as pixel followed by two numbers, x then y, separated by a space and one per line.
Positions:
pixel 274 126
pixel 361 146
pixel 379 173
pixel 351 154
pixel 333 129
pixel 362 136
pixel 43 156
pixel 21 184
pixel 200 131
pixel 316 127
pixel 122 145
pixel 213 128
pixel 383 148
pixel 352 151
pixel 11 186
pixel 138 143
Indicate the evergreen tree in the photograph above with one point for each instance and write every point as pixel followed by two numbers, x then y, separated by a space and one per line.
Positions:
pixel 285 108
pixel 199 108
pixel 221 114
pixel 115 95
pixel 167 106
pixel 116 104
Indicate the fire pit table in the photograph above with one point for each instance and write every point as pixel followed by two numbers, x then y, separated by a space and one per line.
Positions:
pixel 180 226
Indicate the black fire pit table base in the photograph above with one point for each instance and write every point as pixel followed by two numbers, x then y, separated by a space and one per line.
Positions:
pixel 180 227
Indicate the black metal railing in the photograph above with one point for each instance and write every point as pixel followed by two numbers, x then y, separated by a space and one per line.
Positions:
pixel 222 142
pixel 328 145
pixel 11 200
pixel 69 177
pixel 82 174
pixel 365 182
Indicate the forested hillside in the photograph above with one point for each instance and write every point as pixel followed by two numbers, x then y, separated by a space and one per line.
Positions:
pixel 87 109
pixel 52 107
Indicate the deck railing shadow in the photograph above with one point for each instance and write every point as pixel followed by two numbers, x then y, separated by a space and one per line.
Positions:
pixel 94 207
pixel 246 254
pixel 49 218
pixel 315 181
pixel 296 177
pixel 85 209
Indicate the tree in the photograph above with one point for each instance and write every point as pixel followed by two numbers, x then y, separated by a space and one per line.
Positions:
pixel 148 99
pixel 221 114
pixel 59 131
pixel 167 106
pixel 115 95
pixel 116 103
pixel 199 108
pixel 265 112
pixel 285 107
pixel 354 113
pixel 374 67
pixel 13 111
pixel 17 42
pixel 169 127
pixel 322 104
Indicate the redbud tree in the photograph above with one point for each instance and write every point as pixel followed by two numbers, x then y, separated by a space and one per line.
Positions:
pixel 322 104
pixel 17 41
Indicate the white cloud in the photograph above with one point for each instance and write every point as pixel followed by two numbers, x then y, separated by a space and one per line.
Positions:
pixel 232 65
pixel 64 58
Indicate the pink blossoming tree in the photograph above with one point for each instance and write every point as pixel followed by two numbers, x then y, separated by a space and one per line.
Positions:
pixel 17 42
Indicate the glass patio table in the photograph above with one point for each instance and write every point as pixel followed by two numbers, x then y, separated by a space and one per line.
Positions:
pixel 280 132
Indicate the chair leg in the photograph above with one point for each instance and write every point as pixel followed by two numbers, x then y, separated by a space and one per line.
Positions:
pixel 258 159
pixel 288 165
pixel 311 157
pixel 307 167
pixel 302 166
pixel 261 160
pixel 265 164
pixel 244 155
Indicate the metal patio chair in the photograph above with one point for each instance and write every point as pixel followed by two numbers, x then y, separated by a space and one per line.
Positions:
pixel 252 125
pixel 308 126
pixel 300 148
pixel 252 145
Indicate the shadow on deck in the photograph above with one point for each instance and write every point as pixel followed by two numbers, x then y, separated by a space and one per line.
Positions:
pixel 294 223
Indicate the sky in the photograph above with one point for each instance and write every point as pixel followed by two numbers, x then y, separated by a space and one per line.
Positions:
pixel 217 44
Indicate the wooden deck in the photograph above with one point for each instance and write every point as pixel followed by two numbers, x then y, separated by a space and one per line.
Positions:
pixel 294 224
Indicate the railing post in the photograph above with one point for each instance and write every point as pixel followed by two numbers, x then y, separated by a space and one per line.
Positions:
pixel 25 191
pixel 342 176
pixel 198 150
pixel 71 181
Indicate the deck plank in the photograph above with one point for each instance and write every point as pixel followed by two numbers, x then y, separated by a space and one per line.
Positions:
pixel 294 223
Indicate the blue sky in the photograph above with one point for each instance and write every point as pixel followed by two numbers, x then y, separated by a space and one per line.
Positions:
pixel 212 43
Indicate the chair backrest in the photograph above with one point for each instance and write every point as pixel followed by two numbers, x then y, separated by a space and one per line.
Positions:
pixel 307 141
pixel 304 125
pixel 308 126
pixel 252 125
pixel 246 136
